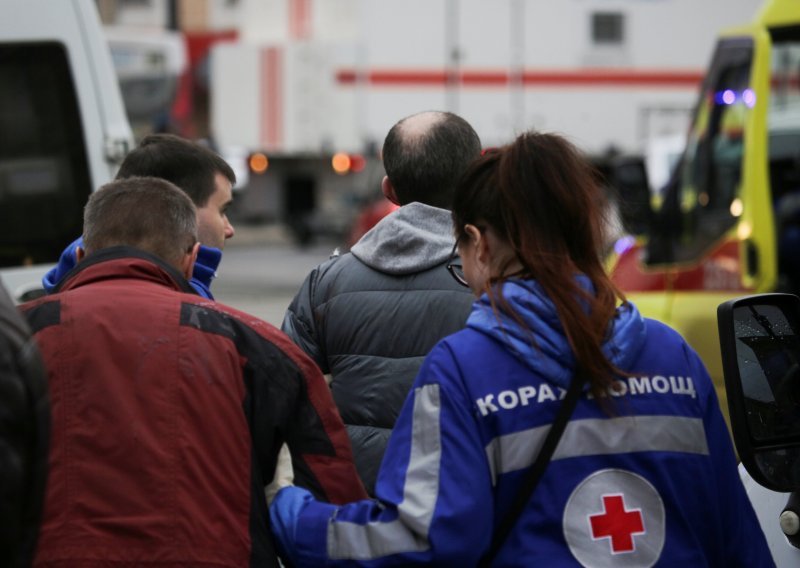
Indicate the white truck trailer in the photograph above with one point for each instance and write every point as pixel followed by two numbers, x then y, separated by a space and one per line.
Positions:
pixel 308 80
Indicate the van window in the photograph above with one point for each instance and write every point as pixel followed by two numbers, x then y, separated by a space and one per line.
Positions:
pixel 701 205
pixel 44 176
pixel 783 117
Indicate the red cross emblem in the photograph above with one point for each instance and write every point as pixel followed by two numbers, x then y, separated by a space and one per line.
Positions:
pixel 617 524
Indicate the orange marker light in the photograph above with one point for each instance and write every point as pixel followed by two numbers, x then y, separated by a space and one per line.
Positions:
pixel 259 163
pixel 341 163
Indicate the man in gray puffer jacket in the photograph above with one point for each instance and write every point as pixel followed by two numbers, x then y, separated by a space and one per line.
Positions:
pixel 369 317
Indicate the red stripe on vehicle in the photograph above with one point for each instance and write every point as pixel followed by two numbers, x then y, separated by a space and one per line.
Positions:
pixel 539 78
pixel 630 274
pixel 299 19
pixel 271 97
pixel 719 270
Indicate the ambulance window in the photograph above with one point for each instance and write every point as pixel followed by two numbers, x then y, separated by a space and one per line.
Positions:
pixel 783 118
pixel 44 177
pixel 709 176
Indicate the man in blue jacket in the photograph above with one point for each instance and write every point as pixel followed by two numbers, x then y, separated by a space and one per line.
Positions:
pixel 203 175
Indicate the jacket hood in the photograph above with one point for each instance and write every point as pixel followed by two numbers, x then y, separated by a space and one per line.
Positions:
pixel 542 345
pixel 413 238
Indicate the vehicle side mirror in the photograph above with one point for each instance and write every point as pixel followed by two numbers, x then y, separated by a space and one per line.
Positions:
pixel 760 342
pixel 628 177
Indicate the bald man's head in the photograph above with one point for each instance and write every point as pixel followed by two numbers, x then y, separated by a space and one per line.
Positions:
pixel 425 154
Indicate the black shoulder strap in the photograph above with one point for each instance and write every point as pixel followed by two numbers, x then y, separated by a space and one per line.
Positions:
pixel 537 469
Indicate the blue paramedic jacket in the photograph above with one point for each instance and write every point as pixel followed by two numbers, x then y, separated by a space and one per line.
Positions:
pixel 653 482
pixel 205 269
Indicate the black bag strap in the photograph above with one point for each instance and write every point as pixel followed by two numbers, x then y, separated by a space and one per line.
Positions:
pixel 534 474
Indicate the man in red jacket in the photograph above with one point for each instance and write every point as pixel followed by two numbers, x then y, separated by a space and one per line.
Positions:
pixel 169 409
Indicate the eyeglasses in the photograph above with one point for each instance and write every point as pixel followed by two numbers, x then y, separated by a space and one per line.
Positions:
pixel 455 268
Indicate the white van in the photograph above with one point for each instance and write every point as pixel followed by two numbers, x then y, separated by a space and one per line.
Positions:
pixel 63 131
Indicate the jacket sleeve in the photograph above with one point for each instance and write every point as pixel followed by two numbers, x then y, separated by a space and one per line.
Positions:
pixel 24 437
pixel 434 490
pixel 299 322
pixel 746 545
pixel 322 458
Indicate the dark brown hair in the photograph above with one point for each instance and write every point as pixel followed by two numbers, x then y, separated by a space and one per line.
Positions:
pixel 189 165
pixel 150 214
pixel 542 197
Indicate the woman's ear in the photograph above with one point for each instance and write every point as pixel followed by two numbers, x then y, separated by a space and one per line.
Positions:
pixel 473 233
pixel 474 258
pixel 479 240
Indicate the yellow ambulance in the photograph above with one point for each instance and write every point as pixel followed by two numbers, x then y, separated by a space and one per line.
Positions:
pixel 729 221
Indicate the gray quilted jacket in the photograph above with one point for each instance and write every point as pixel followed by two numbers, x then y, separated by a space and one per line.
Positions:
pixel 369 317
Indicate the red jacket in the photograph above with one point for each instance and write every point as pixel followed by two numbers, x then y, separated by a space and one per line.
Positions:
pixel 168 414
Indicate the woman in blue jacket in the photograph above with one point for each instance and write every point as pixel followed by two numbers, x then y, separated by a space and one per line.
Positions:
pixel 644 473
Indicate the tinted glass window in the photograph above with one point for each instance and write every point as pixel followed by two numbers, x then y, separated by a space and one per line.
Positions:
pixel 44 177
pixel 701 205
pixel 784 152
pixel 767 351
pixel 608 28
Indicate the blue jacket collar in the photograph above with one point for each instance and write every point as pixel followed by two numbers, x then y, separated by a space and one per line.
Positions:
pixel 205 269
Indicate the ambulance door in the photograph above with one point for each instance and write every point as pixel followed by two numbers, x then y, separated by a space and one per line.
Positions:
pixel 706 225
pixel 783 123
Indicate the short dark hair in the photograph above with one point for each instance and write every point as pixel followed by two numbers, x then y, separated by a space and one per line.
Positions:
pixel 189 165
pixel 424 165
pixel 148 213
